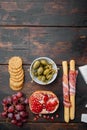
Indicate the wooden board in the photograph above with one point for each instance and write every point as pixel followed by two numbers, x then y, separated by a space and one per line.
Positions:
pixel 53 28
pixel 43 12
pixel 56 43
pixel 46 126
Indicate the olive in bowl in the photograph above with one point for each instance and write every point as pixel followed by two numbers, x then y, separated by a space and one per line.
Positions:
pixel 43 70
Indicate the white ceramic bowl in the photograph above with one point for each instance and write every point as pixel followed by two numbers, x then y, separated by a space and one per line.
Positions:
pixel 54 67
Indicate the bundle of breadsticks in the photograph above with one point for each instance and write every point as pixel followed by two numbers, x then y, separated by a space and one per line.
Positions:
pixel 69 90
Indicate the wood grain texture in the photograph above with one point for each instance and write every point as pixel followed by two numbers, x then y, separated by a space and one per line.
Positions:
pixel 44 12
pixel 53 28
pixel 45 126
pixel 56 43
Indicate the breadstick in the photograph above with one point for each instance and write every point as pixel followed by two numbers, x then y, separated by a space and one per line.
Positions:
pixel 65 91
pixel 72 89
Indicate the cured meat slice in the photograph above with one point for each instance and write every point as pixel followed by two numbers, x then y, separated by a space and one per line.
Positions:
pixel 66 100
pixel 72 81
pixel 66 91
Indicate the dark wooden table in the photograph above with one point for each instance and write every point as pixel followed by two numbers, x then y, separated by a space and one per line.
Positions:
pixel 53 28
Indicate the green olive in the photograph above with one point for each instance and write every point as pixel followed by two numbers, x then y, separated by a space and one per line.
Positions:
pixel 43 62
pixel 35 74
pixel 36 64
pixel 40 70
pixel 49 77
pixel 46 71
pixel 53 71
pixel 39 77
pixel 48 66
pixel 43 78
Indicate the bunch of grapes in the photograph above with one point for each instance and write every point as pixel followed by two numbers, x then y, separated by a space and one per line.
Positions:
pixel 15 109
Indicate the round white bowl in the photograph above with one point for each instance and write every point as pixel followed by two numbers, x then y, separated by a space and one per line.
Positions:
pixel 54 67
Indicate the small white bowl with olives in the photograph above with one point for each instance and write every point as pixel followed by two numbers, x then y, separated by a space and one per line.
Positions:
pixel 43 70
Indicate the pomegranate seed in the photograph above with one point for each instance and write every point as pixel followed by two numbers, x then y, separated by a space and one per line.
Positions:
pixel 46 98
pixel 36 107
pixel 40 115
pixel 35 119
pixel 57 115
pixel 43 105
pixel 37 116
pixel 52 118
pixel 44 116
pixel 48 117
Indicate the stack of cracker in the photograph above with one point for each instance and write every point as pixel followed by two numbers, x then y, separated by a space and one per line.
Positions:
pixel 16 73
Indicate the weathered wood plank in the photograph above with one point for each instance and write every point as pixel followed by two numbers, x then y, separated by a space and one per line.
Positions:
pixel 56 87
pixel 59 43
pixel 45 126
pixel 56 43
pixel 44 12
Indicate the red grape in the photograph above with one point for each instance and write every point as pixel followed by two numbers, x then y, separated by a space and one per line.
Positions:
pixel 23 114
pixel 17 116
pixel 21 100
pixel 19 107
pixel 15 108
pixel 19 124
pixel 4 101
pixel 14 121
pixel 10 115
pixel 26 101
pixel 24 120
pixel 9 99
pixel 14 98
pixel 4 114
pixel 5 108
pixel 11 109
pixel 19 94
